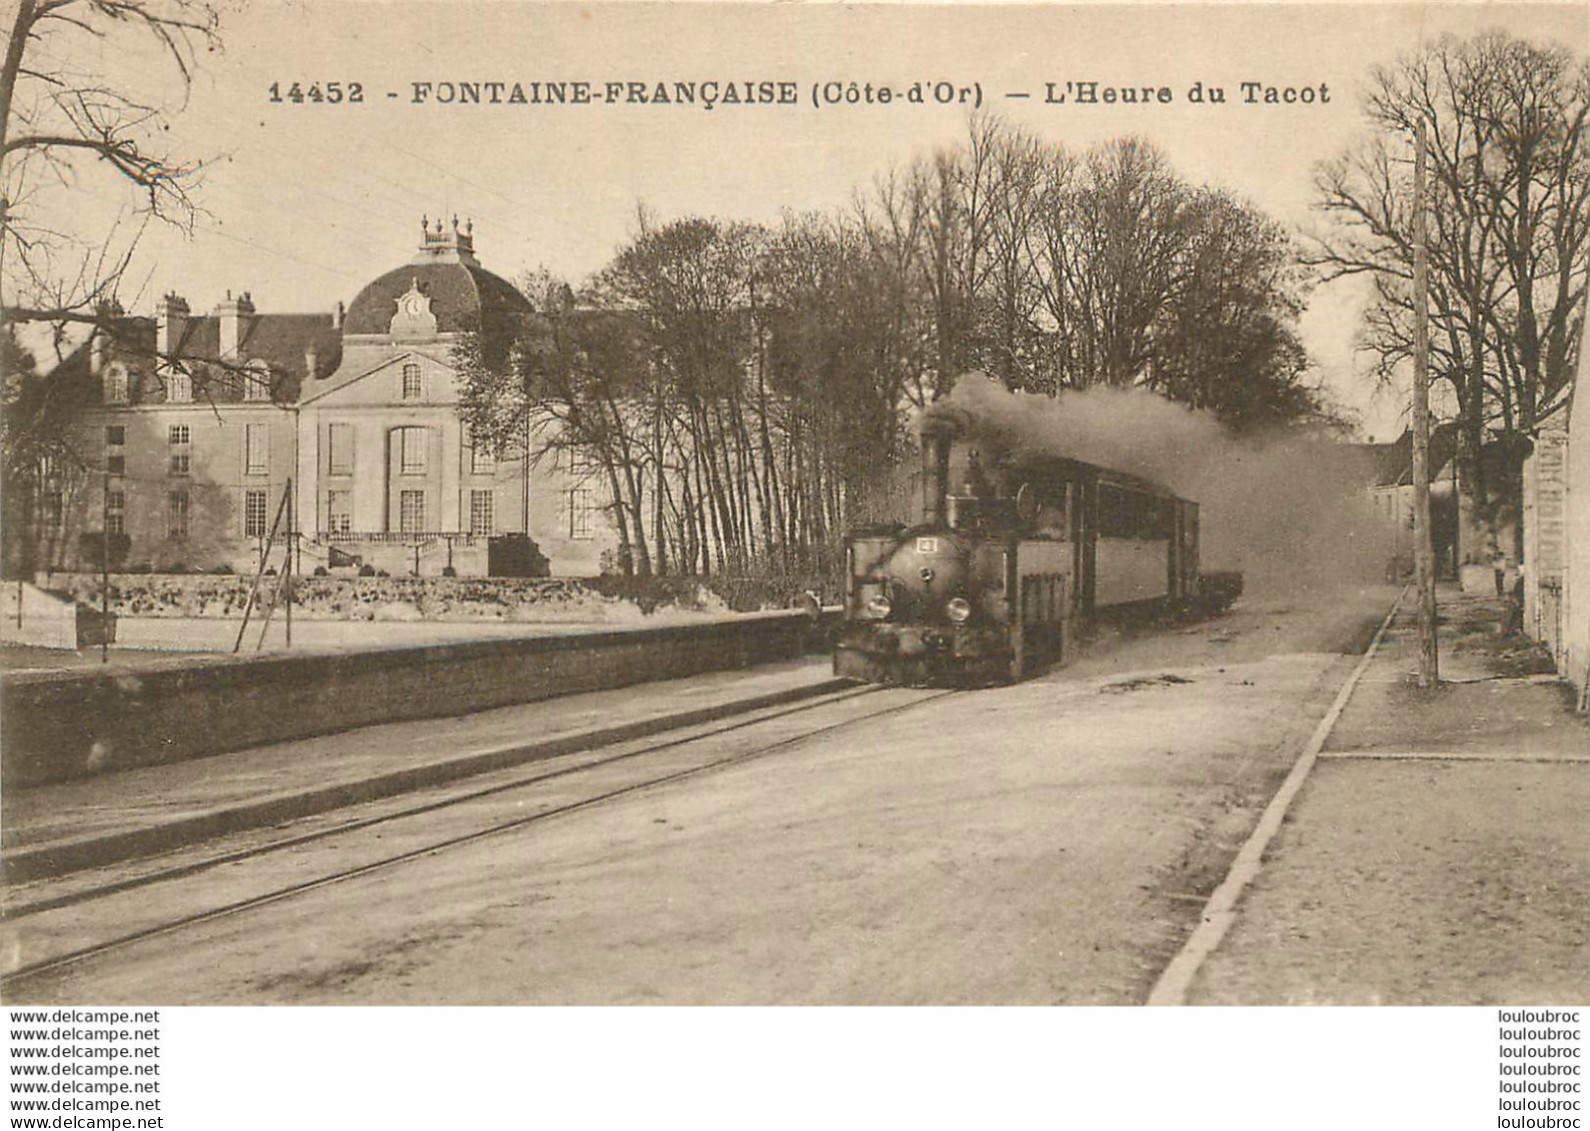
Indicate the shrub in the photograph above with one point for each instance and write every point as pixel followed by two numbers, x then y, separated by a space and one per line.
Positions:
pixel 92 545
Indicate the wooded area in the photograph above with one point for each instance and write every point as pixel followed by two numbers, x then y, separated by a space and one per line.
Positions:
pixel 745 390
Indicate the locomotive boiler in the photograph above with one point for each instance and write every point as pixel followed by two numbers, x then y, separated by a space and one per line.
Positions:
pixel 1014 552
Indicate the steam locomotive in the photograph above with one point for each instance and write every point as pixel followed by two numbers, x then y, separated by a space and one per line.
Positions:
pixel 1013 554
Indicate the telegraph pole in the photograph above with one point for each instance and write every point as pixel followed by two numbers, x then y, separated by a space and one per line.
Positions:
pixel 104 570
pixel 1423 550
pixel 287 566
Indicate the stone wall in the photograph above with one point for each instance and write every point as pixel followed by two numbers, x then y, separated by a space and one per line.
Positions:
pixel 340 598
pixel 438 598
pixel 64 726
pixel 1545 503
pixel 1575 645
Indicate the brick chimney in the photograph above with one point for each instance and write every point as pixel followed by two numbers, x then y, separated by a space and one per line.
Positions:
pixel 231 314
pixel 170 319
pixel 109 313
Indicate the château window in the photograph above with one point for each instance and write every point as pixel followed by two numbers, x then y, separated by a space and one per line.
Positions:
pixel 411 512
pixel 255 504
pixel 413 387
pixel 181 455
pixel 256 450
pixel 116 512
pixel 339 444
pixel 481 512
pixel 411 450
pixel 582 509
pixel 481 459
pixel 339 511
pixel 115 452
pixel 177 515
pixel 580 463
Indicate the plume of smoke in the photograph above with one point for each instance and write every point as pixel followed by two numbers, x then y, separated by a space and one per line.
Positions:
pixel 1292 512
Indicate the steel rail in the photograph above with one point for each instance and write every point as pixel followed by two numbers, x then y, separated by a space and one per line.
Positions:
pixel 10 913
pixel 76 957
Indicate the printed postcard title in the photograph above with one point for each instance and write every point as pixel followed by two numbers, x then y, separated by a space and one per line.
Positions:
pixel 713 94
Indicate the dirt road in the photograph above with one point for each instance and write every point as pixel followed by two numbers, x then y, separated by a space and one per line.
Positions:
pixel 1049 843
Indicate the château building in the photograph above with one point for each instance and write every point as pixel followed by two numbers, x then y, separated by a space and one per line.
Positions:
pixel 197 436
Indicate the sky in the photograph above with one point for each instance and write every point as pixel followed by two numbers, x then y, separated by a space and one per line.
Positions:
pixel 305 202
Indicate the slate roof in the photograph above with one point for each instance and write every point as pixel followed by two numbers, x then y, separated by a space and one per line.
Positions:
pixel 278 340
pixel 1393 462
pixel 463 297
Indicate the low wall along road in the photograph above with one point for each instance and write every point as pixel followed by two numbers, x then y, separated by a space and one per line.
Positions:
pixel 60 726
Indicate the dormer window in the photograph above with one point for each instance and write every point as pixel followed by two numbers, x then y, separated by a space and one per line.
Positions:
pixel 116 384
pixel 413 387
pixel 257 382
pixel 179 388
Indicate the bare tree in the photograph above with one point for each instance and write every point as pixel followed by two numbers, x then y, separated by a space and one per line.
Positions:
pixel 63 127
pixel 1509 253
pixel 572 387
pixel 59 123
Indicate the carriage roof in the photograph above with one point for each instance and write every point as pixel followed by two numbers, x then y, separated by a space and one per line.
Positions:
pixel 1045 464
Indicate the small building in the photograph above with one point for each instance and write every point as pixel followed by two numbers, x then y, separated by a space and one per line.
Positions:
pixel 201 438
pixel 1392 492
pixel 1467 546
pixel 1570 627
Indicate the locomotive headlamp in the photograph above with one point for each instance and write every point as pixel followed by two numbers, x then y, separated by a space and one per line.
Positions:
pixel 958 609
pixel 879 607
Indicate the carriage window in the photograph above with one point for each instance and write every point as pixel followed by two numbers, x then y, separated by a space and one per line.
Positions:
pixel 1052 517
pixel 1115 519
pixel 971 476
pixel 1125 513
pixel 1163 525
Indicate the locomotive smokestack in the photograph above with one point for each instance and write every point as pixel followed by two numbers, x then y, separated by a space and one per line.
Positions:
pixel 935 477
pixel 940 426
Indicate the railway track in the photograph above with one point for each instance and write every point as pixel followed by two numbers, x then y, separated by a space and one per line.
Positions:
pixel 638 766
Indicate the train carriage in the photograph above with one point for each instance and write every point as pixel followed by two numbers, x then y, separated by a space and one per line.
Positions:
pixel 1011 556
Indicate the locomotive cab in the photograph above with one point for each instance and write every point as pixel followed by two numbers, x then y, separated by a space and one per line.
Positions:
pixel 983 517
pixel 935 600
pixel 1012 547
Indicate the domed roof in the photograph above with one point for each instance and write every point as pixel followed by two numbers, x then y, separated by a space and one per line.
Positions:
pixel 463 294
